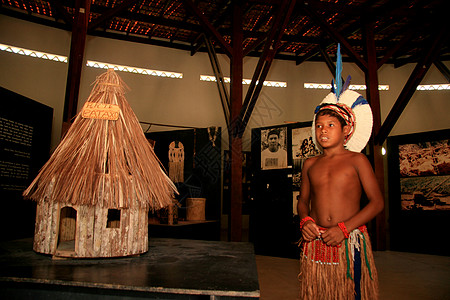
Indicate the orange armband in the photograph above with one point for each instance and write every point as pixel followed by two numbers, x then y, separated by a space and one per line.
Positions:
pixel 304 220
pixel 344 229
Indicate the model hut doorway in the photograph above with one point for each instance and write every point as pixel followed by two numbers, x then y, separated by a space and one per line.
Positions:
pixel 67 229
pixel 94 193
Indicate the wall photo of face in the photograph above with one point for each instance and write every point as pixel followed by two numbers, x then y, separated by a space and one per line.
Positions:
pixel 273 148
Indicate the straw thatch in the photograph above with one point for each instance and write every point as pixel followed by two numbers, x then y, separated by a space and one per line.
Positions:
pixel 104 162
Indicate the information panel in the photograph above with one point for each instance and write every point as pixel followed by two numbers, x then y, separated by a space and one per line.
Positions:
pixel 25 134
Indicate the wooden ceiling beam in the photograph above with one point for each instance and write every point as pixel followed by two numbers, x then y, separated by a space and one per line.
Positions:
pixel 198 43
pixel 311 12
pixel 223 93
pixel 272 44
pixel 146 18
pixel 225 11
pixel 161 17
pixel 326 43
pixel 328 61
pixel 111 13
pixel 308 55
pixel 430 55
pixel 255 44
pixel 443 69
pixel 261 37
pixel 394 18
pixel 207 26
pixel 61 11
pixel 391 52
pixel 367 8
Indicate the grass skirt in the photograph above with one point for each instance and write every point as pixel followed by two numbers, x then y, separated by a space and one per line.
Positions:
pixel 328 272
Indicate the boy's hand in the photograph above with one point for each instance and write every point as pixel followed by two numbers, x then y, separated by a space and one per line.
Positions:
pixel 310 231
pixel 332 236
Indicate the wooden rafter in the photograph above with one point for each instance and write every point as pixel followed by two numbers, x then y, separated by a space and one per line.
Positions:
pixel 271 46
pixel 311 12
pixel 394 19
pixel 223 93
pixel 323 42
pixel 391 52
pixel 198 40
pixel 61 11
pixel 111 13
pixel 414 80
pixel 209 28
pixel 328 61
pixel 443 69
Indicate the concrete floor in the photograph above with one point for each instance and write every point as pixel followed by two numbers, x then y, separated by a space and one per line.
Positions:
pixel 402 276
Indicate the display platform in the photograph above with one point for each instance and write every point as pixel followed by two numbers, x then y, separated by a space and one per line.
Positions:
pixel 171 269
pixel 195 230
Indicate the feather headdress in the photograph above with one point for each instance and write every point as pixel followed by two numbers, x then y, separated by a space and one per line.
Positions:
pixel 353 108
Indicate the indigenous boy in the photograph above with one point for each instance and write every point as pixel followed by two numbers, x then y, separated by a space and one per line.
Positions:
pixel 336 259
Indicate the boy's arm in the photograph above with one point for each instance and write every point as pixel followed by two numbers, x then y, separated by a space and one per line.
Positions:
pixel 309 229
pixel 303 201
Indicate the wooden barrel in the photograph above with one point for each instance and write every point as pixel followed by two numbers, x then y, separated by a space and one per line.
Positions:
pixel 195 209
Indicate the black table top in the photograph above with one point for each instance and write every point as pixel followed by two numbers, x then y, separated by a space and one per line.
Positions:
pixel 170 266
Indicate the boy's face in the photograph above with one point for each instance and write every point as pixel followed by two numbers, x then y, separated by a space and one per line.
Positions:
pixel 329 131
pixel 273 142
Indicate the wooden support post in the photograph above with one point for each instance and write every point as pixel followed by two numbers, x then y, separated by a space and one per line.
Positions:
pixel 76 61
pixel 373 96
pixel 235 218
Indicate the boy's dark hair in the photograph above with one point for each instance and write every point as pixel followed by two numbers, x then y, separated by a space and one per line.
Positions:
pixel 273 131
pixel 332 113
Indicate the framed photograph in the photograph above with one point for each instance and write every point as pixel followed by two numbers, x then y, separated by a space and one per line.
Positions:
pixel 419 191
pixel 303 147
pixel 274 148
pixel 422 170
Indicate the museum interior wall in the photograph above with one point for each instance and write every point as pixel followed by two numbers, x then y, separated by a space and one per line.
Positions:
pixel 188 101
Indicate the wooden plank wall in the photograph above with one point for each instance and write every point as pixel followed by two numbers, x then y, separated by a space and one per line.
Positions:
pixel 92 238
pixel 46 227
pixel 84 245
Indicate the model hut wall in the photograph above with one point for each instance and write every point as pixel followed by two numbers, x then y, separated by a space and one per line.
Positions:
pixel 94 193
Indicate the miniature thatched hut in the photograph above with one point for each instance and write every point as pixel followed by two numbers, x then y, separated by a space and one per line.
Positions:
pixel 94 193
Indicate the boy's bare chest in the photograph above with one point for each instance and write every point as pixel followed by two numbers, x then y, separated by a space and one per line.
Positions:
pixel 326 171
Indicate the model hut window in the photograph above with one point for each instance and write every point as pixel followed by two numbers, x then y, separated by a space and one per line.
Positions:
pixel 113 220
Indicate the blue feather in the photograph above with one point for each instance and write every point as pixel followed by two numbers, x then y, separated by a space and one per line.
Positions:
pixel 338 77
pixel 346 84
pixel 317 109
pixel 359 101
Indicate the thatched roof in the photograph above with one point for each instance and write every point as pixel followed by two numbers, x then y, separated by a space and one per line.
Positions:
pixel 102 161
